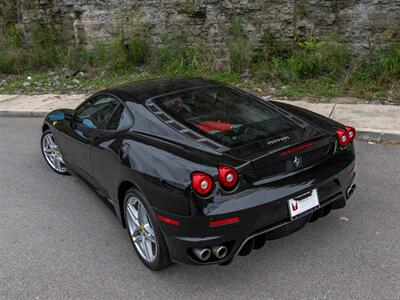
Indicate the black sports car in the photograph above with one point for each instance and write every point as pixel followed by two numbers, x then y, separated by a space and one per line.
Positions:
pixel 200 172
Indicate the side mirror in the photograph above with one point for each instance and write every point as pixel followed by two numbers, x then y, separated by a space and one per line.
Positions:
pixel 57 115
pixel 61 115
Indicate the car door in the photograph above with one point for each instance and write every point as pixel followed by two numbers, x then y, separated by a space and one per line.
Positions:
pixel 87 124
pixel 109 149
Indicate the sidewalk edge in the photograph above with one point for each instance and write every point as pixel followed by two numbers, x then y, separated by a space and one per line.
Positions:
pixel 22 113
pixel 377 136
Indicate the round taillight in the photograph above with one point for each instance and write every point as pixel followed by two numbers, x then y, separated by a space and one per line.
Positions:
pixel 351 132
pixel 343 137
pixel 227 176
pixel 202 183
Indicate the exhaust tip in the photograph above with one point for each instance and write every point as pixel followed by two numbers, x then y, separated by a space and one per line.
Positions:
pixel 350 190
pixel 220 251
pixel 202 253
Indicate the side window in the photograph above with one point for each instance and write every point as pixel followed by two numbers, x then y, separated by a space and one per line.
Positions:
pixel 96 112
pixel 120 119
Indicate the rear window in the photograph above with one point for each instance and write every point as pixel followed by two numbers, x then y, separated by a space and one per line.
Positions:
pixel 225 116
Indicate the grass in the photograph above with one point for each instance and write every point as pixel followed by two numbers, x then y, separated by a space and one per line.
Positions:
pixel 317 68
pixel 85 82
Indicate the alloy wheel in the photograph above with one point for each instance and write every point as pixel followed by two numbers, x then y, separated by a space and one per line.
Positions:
pixel 52 153
pixel 141 229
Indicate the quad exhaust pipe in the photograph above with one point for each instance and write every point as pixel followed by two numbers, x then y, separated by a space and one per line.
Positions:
pixel 350 190
pixel 219 251
pixel 202 253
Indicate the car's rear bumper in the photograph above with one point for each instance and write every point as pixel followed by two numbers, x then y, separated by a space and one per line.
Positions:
pixel 267 220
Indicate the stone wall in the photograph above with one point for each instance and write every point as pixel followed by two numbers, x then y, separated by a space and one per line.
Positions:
pixel 360 23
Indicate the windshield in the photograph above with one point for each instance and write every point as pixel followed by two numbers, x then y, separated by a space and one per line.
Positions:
pixel 225 116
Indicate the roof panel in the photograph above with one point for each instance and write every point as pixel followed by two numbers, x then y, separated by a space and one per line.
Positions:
pixel 143 90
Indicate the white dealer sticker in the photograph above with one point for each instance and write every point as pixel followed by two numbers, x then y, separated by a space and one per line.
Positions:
pixel 302 204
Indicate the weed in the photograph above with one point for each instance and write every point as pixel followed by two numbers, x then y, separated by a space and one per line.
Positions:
pixel 15 36
pixel 261 71
pixel 97 56
pixel 319 58
pixel 118 54
pixel 240 50
pixel 177 59
pixel 389 61
pixel 139 50
pixel 271 47
pixel 6 62
pixel 226 77
pixel 45 47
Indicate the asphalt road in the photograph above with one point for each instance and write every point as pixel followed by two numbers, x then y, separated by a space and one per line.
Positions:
pixel 58 239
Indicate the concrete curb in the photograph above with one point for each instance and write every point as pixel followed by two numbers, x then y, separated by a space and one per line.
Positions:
pixel 378 137
pixel 22 113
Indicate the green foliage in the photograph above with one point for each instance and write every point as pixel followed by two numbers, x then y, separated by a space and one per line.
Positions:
pixel 262 70
pixel 226 77
pixel 6 62
pixel 125 53
pixel 320 68
pixel 46 47
pixel 70 57
pixel 272 48
pixel 283 70
pixel 322 87
pixel 240 49
pixel 376 73
pixel 97 56
pixel 118 54
pixel 319 58
pixel 177 59
pixel 389 62
pixel 8 16
pixel 15 36
pixel 310 59
pixel 139 50
pixel 12 60
pixel 363 84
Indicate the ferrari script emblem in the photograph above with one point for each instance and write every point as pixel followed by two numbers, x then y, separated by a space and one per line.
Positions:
pixel 281 139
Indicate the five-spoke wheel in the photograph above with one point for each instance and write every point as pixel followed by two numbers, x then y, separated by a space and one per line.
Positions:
pixel 52 154
pixel 141 229
pixel 144 231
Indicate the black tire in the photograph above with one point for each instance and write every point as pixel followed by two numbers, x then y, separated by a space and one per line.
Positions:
pixel 162 259
pixel 44 134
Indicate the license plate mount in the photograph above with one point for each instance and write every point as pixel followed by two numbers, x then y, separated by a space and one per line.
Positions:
pixel 304 203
